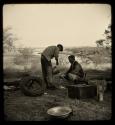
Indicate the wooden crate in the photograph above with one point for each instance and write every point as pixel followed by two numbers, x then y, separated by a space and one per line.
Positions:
pixel 82 91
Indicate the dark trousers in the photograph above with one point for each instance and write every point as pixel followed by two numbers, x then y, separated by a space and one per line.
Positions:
pixel 47 71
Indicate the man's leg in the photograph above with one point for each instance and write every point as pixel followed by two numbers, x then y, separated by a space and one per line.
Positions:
pixel 50 75
pixel 44 71
pixel 74 78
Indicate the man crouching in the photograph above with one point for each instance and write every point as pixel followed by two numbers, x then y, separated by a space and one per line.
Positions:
pixel 75 72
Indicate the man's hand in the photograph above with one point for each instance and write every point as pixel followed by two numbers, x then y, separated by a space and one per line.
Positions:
pixel 63 76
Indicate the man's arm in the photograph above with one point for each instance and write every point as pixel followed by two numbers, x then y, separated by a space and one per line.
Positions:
pixel 76 70
pixel 57 63
pixel 68 70
pixel 56 55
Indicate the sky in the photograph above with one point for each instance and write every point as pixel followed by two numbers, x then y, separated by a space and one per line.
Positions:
pixel 41 25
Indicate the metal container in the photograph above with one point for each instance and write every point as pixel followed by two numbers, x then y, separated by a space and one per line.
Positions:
pixel 59 112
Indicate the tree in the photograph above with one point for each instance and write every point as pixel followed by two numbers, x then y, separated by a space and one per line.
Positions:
pixel 8 40
pixel 100 43
pixel 108 36
pixel 107 41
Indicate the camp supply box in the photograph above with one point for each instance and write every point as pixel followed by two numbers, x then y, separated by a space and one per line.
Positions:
pixel 82 91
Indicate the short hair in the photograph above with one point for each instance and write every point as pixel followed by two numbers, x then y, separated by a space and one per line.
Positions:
pixel 71 56
pixel 60 46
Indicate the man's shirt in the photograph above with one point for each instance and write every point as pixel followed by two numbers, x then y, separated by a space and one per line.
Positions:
pixel 76 69
pixel 50 52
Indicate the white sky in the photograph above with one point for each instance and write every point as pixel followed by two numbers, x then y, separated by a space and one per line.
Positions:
pixel 40 25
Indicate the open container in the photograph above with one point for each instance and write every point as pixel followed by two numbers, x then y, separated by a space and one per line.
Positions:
pixel 59 112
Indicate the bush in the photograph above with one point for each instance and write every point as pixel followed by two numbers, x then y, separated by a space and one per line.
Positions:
pixel 19 60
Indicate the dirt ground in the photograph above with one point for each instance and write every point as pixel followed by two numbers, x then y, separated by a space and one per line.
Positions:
pixel 18 107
